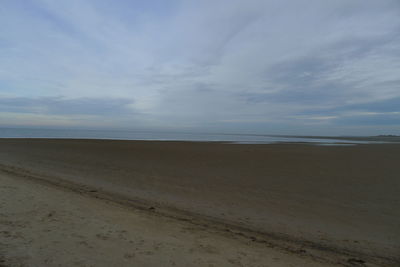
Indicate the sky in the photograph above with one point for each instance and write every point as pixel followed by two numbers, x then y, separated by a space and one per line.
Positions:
pixel 256 66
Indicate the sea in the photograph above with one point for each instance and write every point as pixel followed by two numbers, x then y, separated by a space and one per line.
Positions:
pixel 168 136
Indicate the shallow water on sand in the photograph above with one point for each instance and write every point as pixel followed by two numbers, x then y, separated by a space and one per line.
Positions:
pixel 164 136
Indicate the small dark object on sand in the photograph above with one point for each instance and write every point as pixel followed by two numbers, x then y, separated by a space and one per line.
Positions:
pixel 355 261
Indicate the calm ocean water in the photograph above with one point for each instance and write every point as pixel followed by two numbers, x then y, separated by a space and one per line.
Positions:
pixel 163 136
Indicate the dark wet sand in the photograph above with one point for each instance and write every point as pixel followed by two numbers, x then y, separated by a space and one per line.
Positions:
pixel 338 197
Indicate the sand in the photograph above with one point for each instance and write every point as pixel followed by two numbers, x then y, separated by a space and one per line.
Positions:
pixel 333 204
pixel 41 226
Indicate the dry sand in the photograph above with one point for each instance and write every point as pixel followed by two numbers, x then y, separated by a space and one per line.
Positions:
pixel 43 226
pixel 327 203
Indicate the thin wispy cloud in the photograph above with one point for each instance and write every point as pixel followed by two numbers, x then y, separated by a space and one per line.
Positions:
pixel 246 66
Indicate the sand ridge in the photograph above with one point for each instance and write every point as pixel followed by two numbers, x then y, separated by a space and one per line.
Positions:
pixel 43 225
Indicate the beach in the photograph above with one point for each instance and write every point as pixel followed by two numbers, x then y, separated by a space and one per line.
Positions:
pixel 300 203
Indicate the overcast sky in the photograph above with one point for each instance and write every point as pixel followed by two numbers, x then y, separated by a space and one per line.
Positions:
pixel 279 67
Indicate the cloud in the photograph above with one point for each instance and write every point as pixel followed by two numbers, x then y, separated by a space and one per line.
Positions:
pixel 387 105
pixel 268 65
pixel 63 106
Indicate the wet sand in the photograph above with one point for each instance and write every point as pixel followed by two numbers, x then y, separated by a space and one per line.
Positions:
pixel 340 199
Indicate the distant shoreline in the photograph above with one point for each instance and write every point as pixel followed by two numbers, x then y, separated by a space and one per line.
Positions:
pixel 191 137
pixel 383 138
pixel 354 141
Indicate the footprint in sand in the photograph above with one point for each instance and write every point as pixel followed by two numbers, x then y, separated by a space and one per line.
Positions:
pixel 129 255
pixel 102 237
